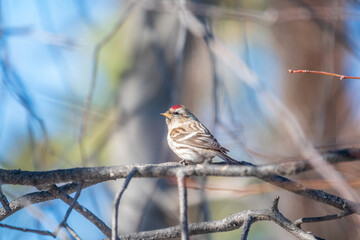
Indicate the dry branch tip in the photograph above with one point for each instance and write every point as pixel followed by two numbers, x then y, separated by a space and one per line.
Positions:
pixel 275 204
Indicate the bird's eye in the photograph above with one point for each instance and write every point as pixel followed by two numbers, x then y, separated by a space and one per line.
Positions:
pixel 176 113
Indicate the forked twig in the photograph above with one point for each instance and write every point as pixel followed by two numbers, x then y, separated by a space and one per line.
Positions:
pixel 81 209
pixel 63 222
pixel 229 223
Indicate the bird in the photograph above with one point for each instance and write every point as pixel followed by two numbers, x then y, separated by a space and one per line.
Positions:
pixel 189 139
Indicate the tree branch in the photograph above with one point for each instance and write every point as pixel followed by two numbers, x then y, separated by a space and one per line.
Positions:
pixel 246 228
pixel 300 221
pixel 96 54
pixel 101 174
pixel 184 226
pixel 91 176
pixel 37 197
pixel 229 223
pixel 4 201
pixel 72 232
pixel 63 222
pixel 116 203
pixel 40 232
pixel 340 76
pixel 82 210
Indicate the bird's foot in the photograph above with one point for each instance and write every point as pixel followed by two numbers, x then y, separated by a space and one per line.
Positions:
pixel 183 162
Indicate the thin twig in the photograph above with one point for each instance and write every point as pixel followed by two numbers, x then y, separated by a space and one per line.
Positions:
pixel 40 232
pixel 246 228
pixel 63 222
pixel 72 232
pixel 179 56
pixel 184 226
pixel 127 9
pixel 275 204
pixel 82 210
pixel 204 209
pixel 301 221
pixel 116 203
pixel 4 201
pixel 323 73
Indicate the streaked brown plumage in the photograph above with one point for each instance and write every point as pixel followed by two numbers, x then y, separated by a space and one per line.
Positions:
pixel 190 139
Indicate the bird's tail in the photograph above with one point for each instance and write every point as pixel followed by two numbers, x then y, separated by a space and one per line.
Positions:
pixel 230 160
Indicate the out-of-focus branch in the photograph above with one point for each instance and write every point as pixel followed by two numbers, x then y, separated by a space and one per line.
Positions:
pixel 269 16
pixel 323 73
pixel 229 223
pixel 15 31
pixel 127 9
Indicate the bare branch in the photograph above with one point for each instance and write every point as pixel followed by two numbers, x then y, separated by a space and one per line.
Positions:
pixel 269 16
pixel 165 170
pixel 72 232
pixel 323 73
pixel 4 201
pixel 275 204
pixel 267 173
pixel 82 210
pixel 63 222
pixel 40 232
pixel 300 221
pixel 184 226
pixel 246 228
pixel 116 203
pixel 37 197
pixel 100 174
pixel 127 9
pixel 229 223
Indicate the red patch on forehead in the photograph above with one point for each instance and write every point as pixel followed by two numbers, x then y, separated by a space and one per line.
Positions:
pixel 176 107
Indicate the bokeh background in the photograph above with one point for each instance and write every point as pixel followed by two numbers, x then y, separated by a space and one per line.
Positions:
pixel 73 94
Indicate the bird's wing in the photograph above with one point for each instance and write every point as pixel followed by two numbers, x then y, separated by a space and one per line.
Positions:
pixel 203 140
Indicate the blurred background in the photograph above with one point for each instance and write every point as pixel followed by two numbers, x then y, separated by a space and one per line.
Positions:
pixel 83 83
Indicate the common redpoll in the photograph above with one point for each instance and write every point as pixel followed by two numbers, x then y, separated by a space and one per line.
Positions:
pixel 190 139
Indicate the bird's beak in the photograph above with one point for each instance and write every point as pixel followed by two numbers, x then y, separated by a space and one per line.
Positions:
pixel 167 114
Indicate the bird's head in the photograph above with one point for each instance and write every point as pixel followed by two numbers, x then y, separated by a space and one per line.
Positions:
pixel 178 114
